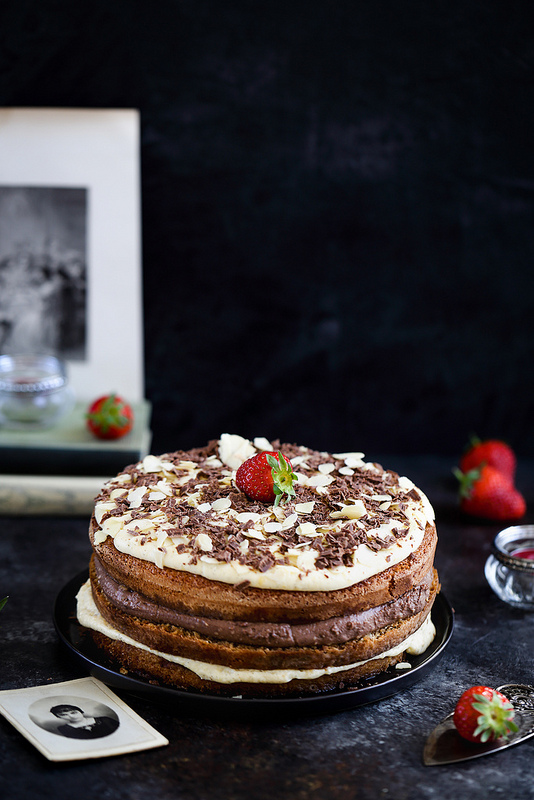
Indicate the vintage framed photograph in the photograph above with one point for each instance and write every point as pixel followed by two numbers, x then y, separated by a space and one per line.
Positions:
pixel 77 719
pixel 70 243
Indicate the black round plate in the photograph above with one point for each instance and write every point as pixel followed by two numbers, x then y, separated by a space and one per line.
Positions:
pixel 81 645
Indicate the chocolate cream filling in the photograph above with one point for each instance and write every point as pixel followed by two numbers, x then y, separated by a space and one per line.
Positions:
pixel 336 630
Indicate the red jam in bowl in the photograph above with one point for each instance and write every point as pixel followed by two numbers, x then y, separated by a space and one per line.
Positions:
pixel 525 553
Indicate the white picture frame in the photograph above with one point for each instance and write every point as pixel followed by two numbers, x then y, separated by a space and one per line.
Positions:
pixel 95 151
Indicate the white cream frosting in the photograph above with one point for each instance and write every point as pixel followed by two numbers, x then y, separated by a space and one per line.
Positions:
pixel 154 538
pixel 90 617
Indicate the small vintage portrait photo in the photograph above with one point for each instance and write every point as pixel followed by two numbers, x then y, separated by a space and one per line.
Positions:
pixel 76 720
pixel 86 720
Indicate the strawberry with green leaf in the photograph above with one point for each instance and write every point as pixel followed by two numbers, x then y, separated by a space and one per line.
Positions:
pixel 110 417
pixel 483 714
pixel 267 477
pixel 485 492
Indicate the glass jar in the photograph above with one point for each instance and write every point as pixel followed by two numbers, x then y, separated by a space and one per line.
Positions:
pixel 34 391
pixel 510 569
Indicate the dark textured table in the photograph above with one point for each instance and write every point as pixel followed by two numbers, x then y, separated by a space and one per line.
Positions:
pixel 374 751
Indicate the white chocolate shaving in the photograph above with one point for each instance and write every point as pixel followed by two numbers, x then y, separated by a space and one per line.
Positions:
pixel 353 511
pixel 204 542
pixel 234 450
pixel 305 508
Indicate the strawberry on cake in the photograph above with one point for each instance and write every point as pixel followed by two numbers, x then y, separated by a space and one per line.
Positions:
pixel 252 568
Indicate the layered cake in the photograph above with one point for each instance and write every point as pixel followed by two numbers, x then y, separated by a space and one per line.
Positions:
pixel 197 584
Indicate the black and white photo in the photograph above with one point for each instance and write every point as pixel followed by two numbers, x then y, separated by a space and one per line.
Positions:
pixel 43 271
pixel 77 719
pixel 83 721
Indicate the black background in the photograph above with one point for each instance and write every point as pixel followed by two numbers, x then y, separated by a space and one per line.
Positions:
pixel 338 206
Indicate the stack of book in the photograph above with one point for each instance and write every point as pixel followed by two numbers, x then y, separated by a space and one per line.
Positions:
pixel 60 470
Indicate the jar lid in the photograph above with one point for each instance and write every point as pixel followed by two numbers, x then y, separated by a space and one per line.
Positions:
pixel 513 540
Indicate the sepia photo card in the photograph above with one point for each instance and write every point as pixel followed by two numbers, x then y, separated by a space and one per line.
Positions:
pixel 77 719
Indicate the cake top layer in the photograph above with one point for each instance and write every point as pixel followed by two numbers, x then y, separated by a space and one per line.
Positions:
pixel 349 519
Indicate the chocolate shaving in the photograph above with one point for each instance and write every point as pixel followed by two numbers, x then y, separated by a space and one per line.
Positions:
pixel 242 586
pixel 334 547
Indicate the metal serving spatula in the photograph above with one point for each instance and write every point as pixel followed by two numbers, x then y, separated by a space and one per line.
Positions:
pixel 446 746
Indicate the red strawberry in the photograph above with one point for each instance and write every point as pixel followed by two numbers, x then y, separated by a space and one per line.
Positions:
pixel 494 452
pixel 109 417
pixel 266 477
pixel 483 714
pixel 486 492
